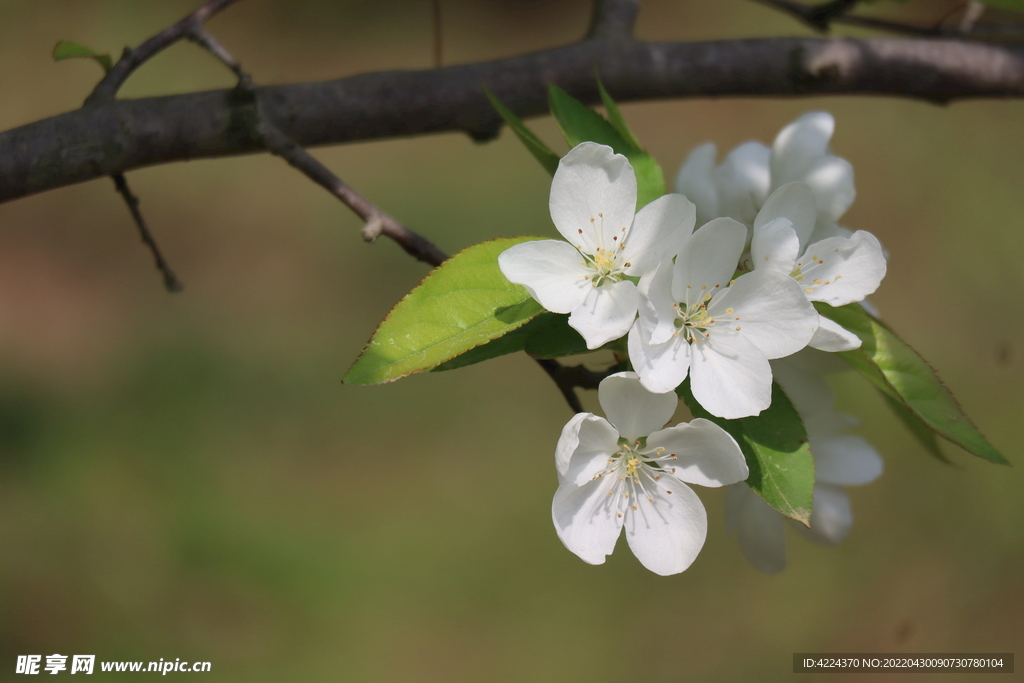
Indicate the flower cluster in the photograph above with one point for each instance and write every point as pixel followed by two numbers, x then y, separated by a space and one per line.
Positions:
pixel 721 305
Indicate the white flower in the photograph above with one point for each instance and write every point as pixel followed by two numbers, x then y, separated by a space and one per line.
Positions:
pixel 751 172
pixel 696 320
pixel 593 200
pixel 839 460
pixel 836 270
pixel 627 471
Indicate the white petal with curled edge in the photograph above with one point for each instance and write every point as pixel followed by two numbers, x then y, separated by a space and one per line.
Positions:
pixel 634 411
pixel 586 519
pixel 840 271
pixel 607 313
pixel 775 247
pixel 661 367
pixel 794 201
pixel 592 180
pixel 831 180
pixel 706 454
pixel 800 143
pixel 773 313
pixel 761 530
pixel 659 229
pixel 843 459
pixel 707 259
pixel 730 377
pixel 551 271
pixel 831 336
pixel 656 310
pixel 667 530
pixel 584 447
pixel 831 517
pixel 743 182
pixel 696 180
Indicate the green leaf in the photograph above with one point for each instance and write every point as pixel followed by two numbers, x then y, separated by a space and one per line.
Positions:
pixel 615 118
pixel 461 304
pixel 540 151
pixel 921 432
pixel 502 346
pixel 774 444
pixel 553 338
pixel 65 49
pixel 894 367
pixel 579 124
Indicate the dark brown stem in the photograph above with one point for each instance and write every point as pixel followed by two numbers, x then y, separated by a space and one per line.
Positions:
pixel 437 34
pixel 568 378
pixel 171 281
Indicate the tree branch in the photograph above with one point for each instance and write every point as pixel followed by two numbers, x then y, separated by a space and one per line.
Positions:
pixel 118 136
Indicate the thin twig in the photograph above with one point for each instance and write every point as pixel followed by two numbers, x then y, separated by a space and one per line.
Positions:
pixel 806 14
pixel 171 281
pixel 131 60
pixel 437 34
pixel 279 144
pixel 377 222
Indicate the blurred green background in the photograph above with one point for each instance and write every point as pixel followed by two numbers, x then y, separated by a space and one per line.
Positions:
pixel 184 476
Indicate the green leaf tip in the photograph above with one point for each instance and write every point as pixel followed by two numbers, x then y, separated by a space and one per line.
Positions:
pixel 66 49
pixel 901 373
pixel 464 303
pixel 536 147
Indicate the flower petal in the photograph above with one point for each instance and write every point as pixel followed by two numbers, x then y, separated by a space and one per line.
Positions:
pixel 743 182
pixel 696 180
pixel 803 140
pixel 831 517
pixel 730 377
pixel 831 336
pixel 583 448
pixel 771 310
pixel 840 271
pixel 667 530
pixel 707 260
pixel 794 201
pixel 551 271
pixel 593 196
pixel 586 519
pixel 607 313
pixel 706 454
pixel 661 367
pixel 831 180
pixel 843 459
pixel 659 228
pixel 634 411
pixel 761 531
pixel 775 247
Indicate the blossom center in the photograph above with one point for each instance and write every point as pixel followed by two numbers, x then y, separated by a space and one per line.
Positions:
pixel 635 474
pixel 695 321
pixel 605 262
